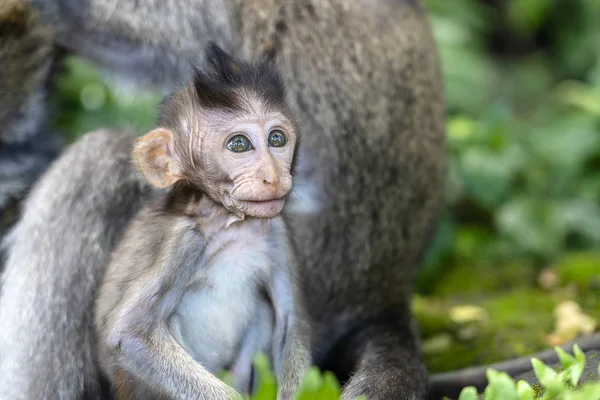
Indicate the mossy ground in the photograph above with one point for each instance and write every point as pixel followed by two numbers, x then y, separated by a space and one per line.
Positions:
pixel 512 314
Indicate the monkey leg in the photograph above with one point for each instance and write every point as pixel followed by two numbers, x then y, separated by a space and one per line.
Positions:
pixel 387 369
pixel 291 339
pixel 381 360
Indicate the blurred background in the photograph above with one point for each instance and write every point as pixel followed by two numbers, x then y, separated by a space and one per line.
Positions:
pixel 515 266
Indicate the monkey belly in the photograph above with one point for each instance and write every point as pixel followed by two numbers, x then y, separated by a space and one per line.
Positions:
pixel 224 321
pixel 227 341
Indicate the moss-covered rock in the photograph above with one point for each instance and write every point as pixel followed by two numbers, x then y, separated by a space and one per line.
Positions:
pixel 465 280
pixel 481 314
pixel 581 269
pixel 517 323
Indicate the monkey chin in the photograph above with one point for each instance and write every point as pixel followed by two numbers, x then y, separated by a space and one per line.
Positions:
pixel 262 209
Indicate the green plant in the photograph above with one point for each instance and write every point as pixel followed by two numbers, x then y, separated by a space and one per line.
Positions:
pixel 554 385
pixel 522 88
pixel 315 386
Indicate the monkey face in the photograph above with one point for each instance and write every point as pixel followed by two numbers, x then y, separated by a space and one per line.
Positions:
pixel 248 163
pixel 241 158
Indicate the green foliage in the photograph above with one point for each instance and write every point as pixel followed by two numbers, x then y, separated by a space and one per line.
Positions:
pixel 83 101
pixel 315 386
pixel 523 95
pixel 553 385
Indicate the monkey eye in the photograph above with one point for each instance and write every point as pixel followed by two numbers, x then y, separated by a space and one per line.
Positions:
pixel 277 138
pixel 239 144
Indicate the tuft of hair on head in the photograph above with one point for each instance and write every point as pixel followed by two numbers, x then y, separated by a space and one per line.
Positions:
pixel 224 82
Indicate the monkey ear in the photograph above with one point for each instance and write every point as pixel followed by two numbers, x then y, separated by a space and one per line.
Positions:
pixel 155 158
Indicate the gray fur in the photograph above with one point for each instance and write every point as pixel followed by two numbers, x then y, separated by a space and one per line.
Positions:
pixel 182 296
pixel 371 168
pixel 26 61
pixel 46 348
pixel 26 143
pixel 165 37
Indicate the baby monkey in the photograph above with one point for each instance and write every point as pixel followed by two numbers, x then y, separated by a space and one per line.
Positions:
pixel 204 277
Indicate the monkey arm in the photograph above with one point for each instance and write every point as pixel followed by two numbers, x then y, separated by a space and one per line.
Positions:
pixel 127 36
pixel 158 360
pixel 135 336
pixel 291 338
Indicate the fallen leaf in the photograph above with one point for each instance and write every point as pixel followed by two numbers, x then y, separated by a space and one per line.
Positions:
pixel 570 323
pixel 468 313
pixel 548 278
pixel 437 344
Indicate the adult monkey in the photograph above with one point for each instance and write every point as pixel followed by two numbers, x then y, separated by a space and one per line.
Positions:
pixel 365 76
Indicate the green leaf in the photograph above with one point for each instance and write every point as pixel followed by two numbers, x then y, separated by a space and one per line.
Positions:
pixel 582 215
pixel 468 393
pixel 588 392
pixel 313 379
pixel 331 388
pixel 545 374
pixel 579 355
pixel 525 391
pixel 552 389
pixel 527 15
pixel 565 358
pixel 486 176
pixel 267 386
pixel 576 369
pixel 533 225
pixel 500 387
pixel 311 385
pixel 565 143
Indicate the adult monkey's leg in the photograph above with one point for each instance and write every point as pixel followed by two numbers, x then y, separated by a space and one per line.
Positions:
pixel 380 359
pixel 365 77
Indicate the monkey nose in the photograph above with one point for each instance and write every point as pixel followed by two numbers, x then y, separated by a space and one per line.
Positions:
pixel 270 180
pixel 270 176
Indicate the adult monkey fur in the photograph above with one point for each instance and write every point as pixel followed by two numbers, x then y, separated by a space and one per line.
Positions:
pixel 203 278
pixel 27 61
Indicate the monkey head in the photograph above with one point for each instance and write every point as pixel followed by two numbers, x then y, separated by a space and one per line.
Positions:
pixel 229 132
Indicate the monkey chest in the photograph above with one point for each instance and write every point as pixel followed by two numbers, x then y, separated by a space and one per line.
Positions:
pixel 225 313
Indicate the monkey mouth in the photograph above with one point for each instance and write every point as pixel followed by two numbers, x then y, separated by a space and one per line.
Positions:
pixel 267 208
